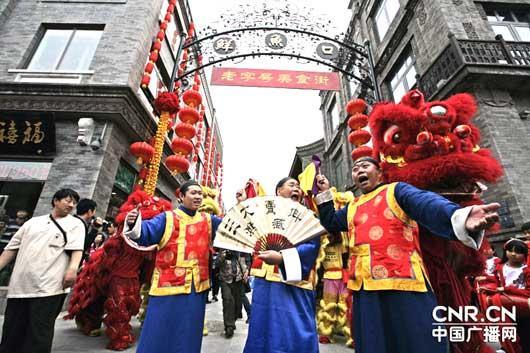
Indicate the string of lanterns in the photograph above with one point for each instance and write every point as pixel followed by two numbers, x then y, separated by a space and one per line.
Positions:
pixel 358 136
pixel 189 127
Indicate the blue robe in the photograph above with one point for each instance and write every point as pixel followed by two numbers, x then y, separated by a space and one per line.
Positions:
pixel 173 323
pixel 391 321
pixel 283 316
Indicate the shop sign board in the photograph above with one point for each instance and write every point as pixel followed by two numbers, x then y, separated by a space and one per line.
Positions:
pixel 27 133
pixel 24 171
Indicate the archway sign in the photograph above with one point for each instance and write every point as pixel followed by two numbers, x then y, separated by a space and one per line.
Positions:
pixel 254 31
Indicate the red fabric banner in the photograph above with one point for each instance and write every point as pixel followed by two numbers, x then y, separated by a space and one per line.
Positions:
pixel 325 81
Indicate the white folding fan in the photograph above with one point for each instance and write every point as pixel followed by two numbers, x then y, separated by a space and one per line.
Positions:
pixel 266 223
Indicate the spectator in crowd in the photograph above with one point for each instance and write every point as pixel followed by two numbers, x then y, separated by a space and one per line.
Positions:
pixel 48 251
pixel 109 227
pixel 214 277
pixel 232 272
pixel 246 288
pixel 491 259
pixel 98 242
pixel 85 211
pixel 3 227
pixel 13 226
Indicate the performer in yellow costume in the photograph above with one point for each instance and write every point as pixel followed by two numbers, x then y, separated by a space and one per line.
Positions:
pixel 333 308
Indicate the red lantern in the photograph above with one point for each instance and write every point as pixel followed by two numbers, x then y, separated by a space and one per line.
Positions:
pixel 177 164
pixel 185 130
pixel 189 115
pixel 355 106
pixel 363 151
pixel 192 98
pixel 357 121
pixel 145 80
pixel 143 151
pixel 181 146
pixel 153 57
pixel 359 137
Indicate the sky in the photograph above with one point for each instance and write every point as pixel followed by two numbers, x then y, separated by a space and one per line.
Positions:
pixel 261 127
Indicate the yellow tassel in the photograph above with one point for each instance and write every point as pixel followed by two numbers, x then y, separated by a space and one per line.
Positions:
pixel 342 308
pixel 324 241
pixel 325 330
pixel 154 166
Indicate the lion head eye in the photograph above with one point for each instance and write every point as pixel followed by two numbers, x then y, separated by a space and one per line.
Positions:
pixel 438 110
pixel 392 135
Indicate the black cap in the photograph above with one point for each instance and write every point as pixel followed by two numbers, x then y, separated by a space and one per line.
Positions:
pixel 367 159
pixel 186 185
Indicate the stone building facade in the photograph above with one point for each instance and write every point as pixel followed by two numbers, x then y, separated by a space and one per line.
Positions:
pixel 446 47
pixel 66 60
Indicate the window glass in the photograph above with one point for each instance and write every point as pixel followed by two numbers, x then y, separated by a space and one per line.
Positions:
pixel 50 50
pixel 80 51
pixel 522 15
pixel 70 50
pixel 404 79
pixel 504 15
pixel 523 33
pixel 173 36
pixel 335 115
pixel 511 21
pixel 384 16
pixel 504 30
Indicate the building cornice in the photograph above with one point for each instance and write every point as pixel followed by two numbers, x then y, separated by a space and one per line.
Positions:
pixel 116 103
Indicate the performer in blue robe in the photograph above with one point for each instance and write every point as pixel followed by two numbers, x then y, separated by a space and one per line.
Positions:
pixel 393 313
pixel 283 299
pixel 177 301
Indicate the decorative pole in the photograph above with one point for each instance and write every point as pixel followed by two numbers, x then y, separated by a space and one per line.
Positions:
pixel 167 103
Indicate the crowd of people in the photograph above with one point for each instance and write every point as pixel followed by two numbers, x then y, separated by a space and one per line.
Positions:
pixel 372 278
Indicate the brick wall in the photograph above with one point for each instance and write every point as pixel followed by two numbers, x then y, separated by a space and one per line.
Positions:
pixel 122 51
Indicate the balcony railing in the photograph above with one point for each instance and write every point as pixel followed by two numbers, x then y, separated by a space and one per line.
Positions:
pixel 459 53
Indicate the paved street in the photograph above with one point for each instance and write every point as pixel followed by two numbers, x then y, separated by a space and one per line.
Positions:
pixel 69 340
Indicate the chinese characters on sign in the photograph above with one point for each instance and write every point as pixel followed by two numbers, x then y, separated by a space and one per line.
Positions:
pixel 328 81
pixel 463 333
pixel 496 325
pixel 276 40
pixel 224 45
pixel 27 133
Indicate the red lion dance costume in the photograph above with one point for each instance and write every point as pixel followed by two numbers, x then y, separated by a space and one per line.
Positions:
pixel 435 146
pixel 108 287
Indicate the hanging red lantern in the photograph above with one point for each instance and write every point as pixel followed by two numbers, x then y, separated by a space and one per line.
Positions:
pixel 145 80
pixel 188 115
pixel 143 151
pixel 192 98
pixel 363 151
pixel 181 146
pixel 359 137
pixel 185 130
pixel 355 106
pixel 177 164
pixel 357 121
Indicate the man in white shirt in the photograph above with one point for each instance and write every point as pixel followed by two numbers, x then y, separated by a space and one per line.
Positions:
pixel 48 251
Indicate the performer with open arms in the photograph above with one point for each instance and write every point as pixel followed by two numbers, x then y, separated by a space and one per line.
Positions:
pixel 392 298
